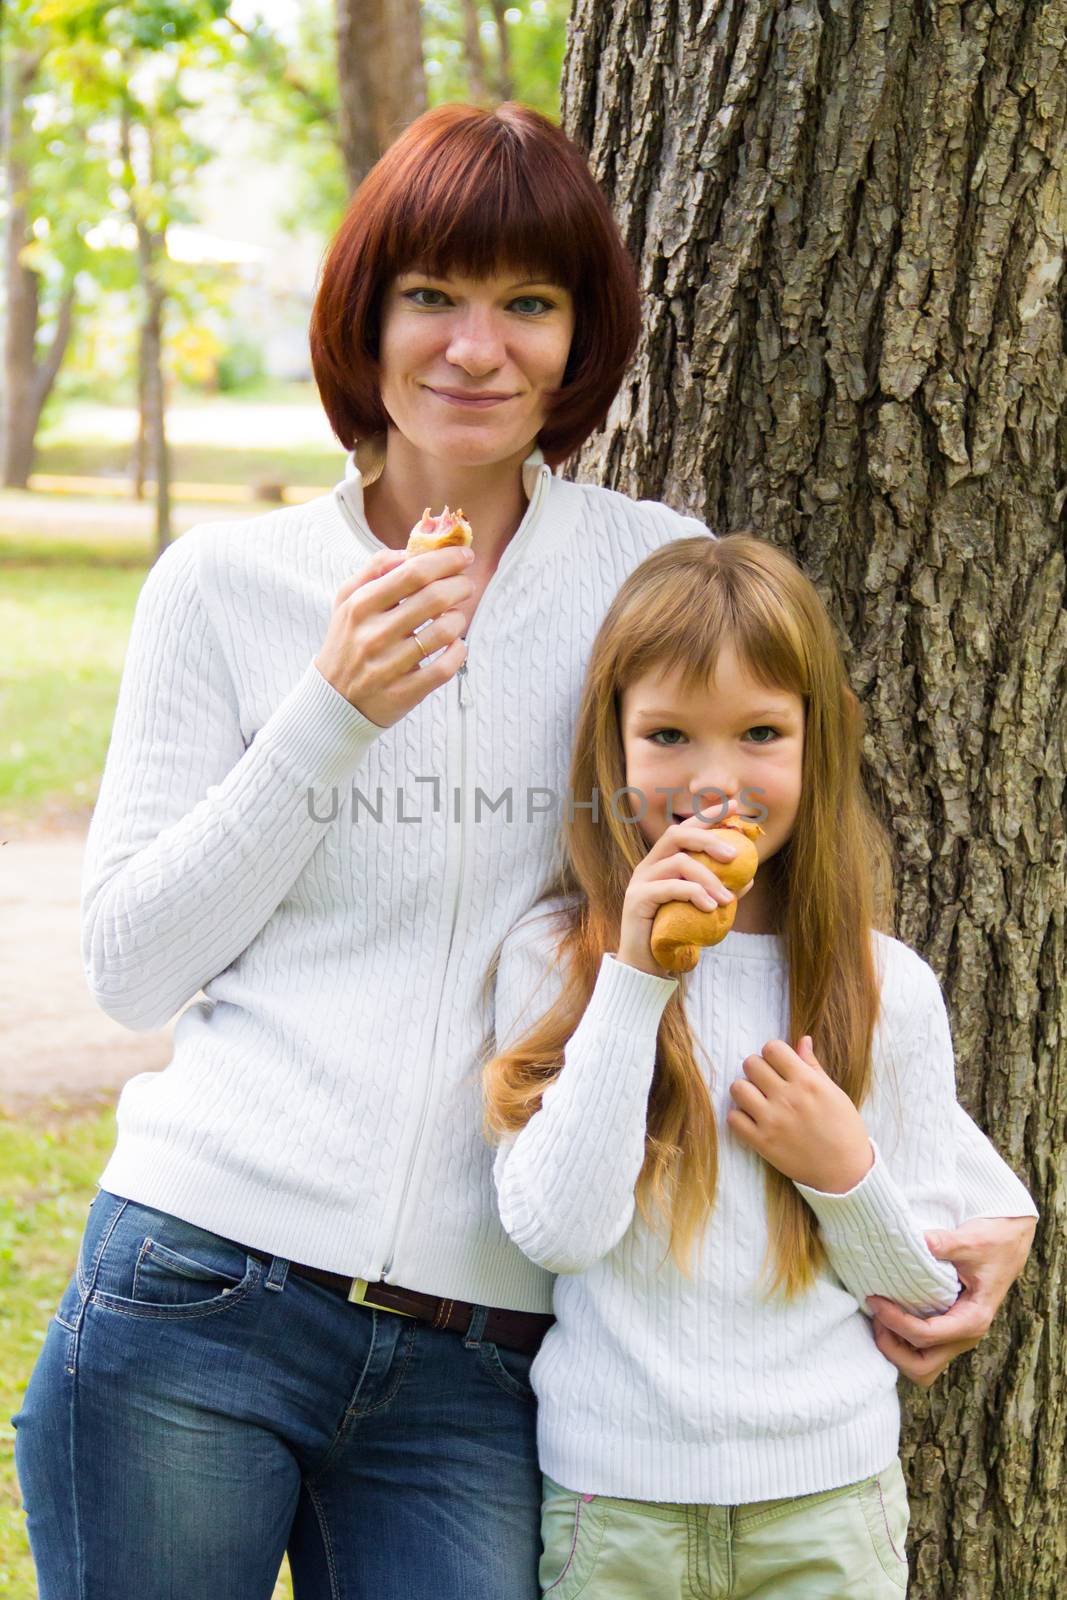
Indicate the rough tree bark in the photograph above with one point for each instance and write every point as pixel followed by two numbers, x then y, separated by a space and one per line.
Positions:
pixel 381 77
pixel 29 372
pixel 849 218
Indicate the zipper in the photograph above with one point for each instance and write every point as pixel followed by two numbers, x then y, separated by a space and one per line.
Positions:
pixel 463 702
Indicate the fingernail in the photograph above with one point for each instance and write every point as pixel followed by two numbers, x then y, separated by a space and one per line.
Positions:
pixel 727 851
pixel 468 556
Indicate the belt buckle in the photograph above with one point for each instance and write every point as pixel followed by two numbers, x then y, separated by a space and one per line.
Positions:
pixel 357 1295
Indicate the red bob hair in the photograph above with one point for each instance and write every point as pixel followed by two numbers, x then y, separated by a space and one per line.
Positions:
pixel 470 191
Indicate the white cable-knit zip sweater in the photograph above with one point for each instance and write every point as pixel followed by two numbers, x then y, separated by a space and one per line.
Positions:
pixel 323 1100
pixel 655 1386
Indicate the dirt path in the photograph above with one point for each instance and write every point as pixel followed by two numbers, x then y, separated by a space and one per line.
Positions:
pixel 55 1042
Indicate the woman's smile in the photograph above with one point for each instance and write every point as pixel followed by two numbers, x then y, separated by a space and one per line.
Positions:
pixel 473 402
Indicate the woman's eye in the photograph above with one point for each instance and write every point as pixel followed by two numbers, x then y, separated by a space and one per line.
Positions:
pixel 531 305
pixel 763 728
pixel 655 736
pixel 436 297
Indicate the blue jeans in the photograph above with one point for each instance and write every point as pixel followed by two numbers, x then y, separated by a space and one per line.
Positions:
pixel 193 1414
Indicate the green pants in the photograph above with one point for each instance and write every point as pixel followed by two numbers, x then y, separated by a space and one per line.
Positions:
pixel 843 1544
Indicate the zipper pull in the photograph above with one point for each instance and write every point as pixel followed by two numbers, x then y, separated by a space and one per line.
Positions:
pixel 461 677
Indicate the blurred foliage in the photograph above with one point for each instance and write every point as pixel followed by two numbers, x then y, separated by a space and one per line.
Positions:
pixel 84 61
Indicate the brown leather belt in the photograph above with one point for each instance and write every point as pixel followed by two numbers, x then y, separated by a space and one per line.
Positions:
pixel 516 1330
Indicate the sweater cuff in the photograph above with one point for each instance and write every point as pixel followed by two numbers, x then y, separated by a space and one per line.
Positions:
pixel 626 998
pixel 321 735
pixel 987 1184
pixel 872 1214
pixel 872 1222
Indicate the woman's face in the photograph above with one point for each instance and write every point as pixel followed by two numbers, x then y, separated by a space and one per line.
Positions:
pixel 466 362
pixel 738 751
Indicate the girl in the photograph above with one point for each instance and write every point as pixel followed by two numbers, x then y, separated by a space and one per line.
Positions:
pixel 721 1168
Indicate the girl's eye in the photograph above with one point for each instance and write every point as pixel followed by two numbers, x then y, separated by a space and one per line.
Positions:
pixel 763 728
pixel 531 305
pixel 412 295
pixel 670 746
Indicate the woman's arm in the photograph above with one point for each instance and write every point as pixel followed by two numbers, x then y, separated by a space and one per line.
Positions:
pixel 565 1182
pixel 988 1185
pixel 195 838
pixel 989 1251
pixel 874 1233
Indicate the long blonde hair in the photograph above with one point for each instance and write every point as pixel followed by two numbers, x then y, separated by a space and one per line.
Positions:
pixel 831 880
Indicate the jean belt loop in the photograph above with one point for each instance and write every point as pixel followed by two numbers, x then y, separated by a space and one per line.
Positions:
pixel 473 1335
pixel 279 1268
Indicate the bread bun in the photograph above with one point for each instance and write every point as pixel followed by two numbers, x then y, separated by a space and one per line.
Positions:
pixel 680 930
pixel 435 533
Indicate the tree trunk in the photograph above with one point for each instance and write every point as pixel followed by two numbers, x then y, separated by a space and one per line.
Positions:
pixel 505 79
pixel 155 408
pixel 139 448
pixel 477 87
pixel 28 376
pixel 849 222
pixel 381 77
pixel 151 388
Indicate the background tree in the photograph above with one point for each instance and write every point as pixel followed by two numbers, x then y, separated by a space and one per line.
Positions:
pixel 381 77
pixel 850 227
pixel 56 183
pixel 291 86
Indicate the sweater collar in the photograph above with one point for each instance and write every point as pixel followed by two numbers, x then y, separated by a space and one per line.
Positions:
pixel 364 465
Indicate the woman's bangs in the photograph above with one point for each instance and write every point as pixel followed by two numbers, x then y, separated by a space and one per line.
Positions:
pixel 491 214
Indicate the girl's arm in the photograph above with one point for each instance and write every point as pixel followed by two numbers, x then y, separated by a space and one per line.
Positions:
pixel 565 1182
pixel 988 1185
pixel 196 838
pixel 874 1232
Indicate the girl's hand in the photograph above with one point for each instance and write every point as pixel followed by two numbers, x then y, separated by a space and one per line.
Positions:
pixel 795 1117
pixel 369 654
pixel 669 873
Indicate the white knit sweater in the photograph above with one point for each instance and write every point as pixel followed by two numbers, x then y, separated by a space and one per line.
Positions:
pixel 323 1100
pixel 655 1386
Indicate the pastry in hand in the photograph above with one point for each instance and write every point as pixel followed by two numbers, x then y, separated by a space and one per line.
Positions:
pixel 434 533
pixel 680 930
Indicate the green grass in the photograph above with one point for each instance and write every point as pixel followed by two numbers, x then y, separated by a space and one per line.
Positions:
pixel 197 463
pixel 65 613
pixel 50 1161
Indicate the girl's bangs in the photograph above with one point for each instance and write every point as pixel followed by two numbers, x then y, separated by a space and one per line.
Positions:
pixel 688 634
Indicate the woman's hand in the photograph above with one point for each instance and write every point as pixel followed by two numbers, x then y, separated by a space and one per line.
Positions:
pixel 369 654
pixel 792 1114
pixel 668 873
pixel 988 1253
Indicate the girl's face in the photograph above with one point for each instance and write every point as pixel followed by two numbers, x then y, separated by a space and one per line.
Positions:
pixel 466 362
pixel 736 751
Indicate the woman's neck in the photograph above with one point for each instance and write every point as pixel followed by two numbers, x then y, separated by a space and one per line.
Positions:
pixel 492 498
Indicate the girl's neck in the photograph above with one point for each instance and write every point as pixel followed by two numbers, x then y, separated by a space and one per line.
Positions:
pixel 492 497
pixel 758 911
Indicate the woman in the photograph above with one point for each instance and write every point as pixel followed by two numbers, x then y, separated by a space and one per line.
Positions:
pixel 296 1322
